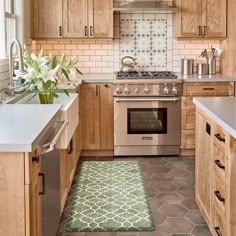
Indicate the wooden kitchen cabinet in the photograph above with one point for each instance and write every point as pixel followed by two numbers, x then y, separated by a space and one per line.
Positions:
pixel 190 90
pixel 203 163
pixel 97 117
pixel 72 19
pixel 215 176
pixel 46 18
pixel 200 18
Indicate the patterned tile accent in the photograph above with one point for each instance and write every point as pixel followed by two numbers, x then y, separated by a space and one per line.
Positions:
pixel 145 40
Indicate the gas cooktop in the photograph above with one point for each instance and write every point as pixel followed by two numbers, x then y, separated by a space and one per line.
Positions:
pixel 145 75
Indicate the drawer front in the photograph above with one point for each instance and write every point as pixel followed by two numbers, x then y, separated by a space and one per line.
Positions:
pixel 221 140
pixel 218 225
pixel 220 163
pixel 187 103
pixel 187 139
pixel 208 89
pixel 188 119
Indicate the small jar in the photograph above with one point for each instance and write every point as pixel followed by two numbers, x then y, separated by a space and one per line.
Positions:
pixel 201 68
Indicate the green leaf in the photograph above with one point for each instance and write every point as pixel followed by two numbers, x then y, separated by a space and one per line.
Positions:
pixel 66 74
pixel 66 92
pixel 68 64
pixel 62 59
pixel 55 95
pixel 78 71
pixel 54 62
pixel 47 84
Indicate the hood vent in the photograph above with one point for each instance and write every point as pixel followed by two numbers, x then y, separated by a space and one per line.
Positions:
pixel 145 7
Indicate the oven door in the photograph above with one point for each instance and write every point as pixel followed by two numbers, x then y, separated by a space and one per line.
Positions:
pixel 146 121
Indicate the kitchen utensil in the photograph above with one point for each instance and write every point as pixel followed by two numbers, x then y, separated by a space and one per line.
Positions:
pixel 187 66
pixel 201 68
pixel 128 64
pixel 211 66
pixel 217 52
pixel 204 54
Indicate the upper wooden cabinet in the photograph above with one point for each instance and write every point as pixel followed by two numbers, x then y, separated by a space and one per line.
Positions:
pixel 72 19
pixel 200 18
pixel 46 18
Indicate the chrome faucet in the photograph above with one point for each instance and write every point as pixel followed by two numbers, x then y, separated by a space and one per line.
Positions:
pixel 11 89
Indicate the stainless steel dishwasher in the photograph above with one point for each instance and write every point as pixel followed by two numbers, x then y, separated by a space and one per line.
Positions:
pixel 50 177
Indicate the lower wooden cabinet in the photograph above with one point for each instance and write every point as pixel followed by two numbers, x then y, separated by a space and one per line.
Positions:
pixel 97 116
pixel 215 175
pixel 200 89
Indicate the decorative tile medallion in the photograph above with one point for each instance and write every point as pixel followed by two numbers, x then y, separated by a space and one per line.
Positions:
pixel 145 40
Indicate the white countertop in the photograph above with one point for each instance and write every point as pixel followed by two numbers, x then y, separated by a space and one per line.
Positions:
pixel 207 78
pixel 98 78
pixel 22 124
pixel 220 109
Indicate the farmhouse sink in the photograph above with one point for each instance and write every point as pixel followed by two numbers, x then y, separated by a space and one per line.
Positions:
pixel 69 111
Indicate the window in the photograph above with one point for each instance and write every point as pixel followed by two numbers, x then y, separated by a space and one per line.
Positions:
pixel 10 24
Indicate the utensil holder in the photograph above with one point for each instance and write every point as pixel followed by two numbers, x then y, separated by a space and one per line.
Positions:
pixel 201 68
pixel 187 66
pixel 211 66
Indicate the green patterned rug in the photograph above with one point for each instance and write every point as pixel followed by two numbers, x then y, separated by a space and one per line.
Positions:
pixel 109 196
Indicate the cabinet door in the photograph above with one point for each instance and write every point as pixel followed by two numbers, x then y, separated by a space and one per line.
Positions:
pixel 214 18
pixel 47 18
pixel 63 177
pixel 189 18
pixel 100 18
pixel 91 117
pixel 75 18
pixel 35 206
pixel 203 163
pixel 106 119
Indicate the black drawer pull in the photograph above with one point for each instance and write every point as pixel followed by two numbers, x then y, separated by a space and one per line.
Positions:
pixel 217 229
pixel 217 162
pixel 43 184
pixel 35 159
pixel 218 136
pixel 207 89
pixel 219 197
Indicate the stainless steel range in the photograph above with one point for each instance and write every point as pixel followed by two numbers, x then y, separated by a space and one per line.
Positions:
pixel 146 113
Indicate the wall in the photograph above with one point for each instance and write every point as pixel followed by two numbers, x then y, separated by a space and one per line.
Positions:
pixel 4 74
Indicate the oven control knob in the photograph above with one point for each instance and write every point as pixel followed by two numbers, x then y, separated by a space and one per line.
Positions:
pixel 119 91
pixel 147 90
pixel 166 90
pixel 175 90
pixel 127 91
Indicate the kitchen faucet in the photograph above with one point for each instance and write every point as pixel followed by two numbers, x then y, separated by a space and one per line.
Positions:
pixel 11 89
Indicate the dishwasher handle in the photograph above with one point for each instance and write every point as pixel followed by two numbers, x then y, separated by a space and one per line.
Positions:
pixel 48 147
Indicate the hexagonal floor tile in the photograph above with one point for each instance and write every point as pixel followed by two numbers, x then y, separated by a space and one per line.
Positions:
pixel 155 204
pixel 180 173
pixel 159 218
pixel 190 168
pixel 171 197
pixel 195 216
pixel 186 191
pixel 190 203
pixel 201 230
pixel 181 235
pixel 160 169
pixel 166 187
pixel 178 225
pixel 176 165
pixel 173 210
pixel 162 177
pixel 160 231
pixel 152 192
pixel 184 181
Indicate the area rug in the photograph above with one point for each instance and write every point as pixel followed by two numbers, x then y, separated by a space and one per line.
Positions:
pixel 109 196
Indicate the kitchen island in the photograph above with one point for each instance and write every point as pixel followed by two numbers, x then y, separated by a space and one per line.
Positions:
pixel 216 162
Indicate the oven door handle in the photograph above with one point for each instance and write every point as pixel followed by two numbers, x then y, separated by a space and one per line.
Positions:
pixel 148 99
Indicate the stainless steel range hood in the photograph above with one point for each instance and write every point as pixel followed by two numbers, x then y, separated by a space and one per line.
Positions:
pixel 145 7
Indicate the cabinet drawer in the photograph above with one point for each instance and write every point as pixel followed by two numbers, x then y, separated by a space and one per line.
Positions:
pixel 187 103
pixel 188 119
pixel 220 163
pixel 218 224
pixel 221 139
pixel 188 139
pixel 208 89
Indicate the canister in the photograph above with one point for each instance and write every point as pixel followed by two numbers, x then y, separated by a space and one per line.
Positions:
pixel 201 68
pixel 187 66
pixel 211 66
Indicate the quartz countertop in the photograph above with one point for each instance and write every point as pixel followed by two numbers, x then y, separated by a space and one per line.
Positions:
pixel 222 110
pixel 207 78
pixel 21 125
pixel 98 78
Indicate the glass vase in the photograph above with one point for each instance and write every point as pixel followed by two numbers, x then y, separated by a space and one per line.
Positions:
pixel 46 98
